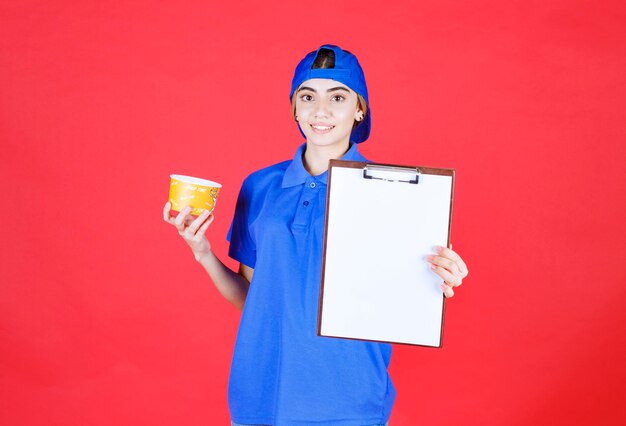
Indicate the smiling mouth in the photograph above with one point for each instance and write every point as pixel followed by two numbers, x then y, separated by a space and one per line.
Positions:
pixel 322 129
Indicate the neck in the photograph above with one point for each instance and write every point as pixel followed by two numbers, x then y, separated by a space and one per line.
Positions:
pixel 316 158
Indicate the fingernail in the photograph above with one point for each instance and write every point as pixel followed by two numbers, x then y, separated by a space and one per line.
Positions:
pixel 429 258
pixel 433 266
pixel 438 248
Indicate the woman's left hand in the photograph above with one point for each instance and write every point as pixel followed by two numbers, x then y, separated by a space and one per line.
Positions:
pixel 449 266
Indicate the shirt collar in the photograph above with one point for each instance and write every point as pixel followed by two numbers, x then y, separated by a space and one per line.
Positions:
pixel 296 174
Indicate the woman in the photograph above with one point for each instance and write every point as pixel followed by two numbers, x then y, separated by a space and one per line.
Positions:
pixel 282 372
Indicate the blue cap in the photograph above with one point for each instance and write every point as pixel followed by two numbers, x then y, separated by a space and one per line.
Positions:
pixel 346 70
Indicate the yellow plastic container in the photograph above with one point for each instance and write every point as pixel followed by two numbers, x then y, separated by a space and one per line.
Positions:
pixel 200 194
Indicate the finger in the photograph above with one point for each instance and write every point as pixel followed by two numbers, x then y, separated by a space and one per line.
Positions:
pixel 200 234
pixel 167 214
pixel 447 290
pixel 449 278
pixel 450 254
pixel 166 211
pixel 445 263
pixel 195 225
pixel 189 219
pixel 180 219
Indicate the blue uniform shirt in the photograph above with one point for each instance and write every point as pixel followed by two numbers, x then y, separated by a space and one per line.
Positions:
pixel 282 373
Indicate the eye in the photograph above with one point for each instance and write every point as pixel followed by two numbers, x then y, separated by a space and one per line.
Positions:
pixel 306 97
pixel 338 98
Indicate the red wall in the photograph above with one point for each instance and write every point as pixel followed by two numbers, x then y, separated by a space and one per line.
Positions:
pixel 106 319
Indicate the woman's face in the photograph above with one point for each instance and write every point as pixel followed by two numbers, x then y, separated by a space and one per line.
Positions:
pixel 326 111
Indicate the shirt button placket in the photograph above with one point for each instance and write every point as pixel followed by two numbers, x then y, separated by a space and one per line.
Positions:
pixel 302 218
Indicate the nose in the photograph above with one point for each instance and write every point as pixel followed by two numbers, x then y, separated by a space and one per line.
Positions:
pixel 321 109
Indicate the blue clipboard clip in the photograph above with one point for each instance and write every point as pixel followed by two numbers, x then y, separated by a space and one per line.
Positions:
pixel 392 173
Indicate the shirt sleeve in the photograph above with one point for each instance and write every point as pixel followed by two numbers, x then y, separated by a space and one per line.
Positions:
pixel 242 246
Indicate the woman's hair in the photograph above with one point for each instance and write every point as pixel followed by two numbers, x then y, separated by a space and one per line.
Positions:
pixel 326 59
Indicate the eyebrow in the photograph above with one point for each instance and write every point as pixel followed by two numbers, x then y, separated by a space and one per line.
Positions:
pixel 329 90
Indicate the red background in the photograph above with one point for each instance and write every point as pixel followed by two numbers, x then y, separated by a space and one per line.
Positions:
pixel 106 319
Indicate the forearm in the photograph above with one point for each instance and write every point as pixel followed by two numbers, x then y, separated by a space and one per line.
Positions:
pixel 230 284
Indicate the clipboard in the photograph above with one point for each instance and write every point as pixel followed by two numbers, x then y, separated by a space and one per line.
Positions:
pixel 382 220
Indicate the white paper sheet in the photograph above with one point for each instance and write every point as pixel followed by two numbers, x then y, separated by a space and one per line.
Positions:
pixel 377 285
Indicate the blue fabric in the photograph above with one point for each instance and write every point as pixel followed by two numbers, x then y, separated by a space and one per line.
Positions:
pixel 282 373
pixel 239 424
pixel 348 71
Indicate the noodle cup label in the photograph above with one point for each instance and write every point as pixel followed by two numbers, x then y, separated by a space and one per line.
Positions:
pixel 199 194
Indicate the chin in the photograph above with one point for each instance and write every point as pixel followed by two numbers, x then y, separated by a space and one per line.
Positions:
pixel 326 141
pixel 321 143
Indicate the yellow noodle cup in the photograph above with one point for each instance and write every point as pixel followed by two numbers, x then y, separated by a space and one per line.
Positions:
pixel 199 194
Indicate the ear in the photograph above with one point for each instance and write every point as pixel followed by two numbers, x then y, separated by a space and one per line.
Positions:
pixel 358 115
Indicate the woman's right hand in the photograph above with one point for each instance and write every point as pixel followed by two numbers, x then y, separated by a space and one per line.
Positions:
pixel 192 230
